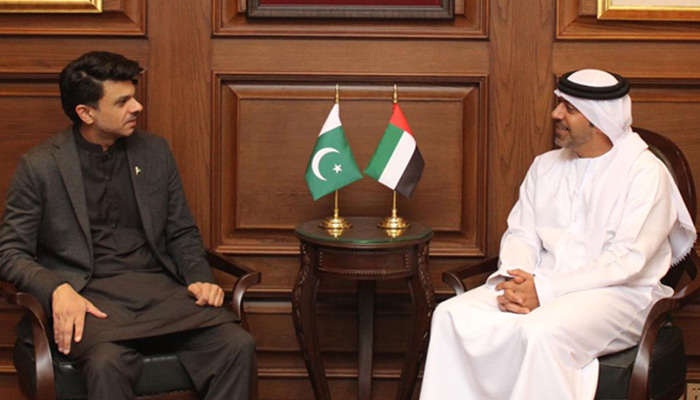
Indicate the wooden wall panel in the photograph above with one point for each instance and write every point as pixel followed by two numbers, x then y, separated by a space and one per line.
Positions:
pixel 654 60
pixel 118 17
pixel 520 127
pixel 179 101
pixel 9 389
pixel 267 129
pixel 21 95
pixel 471 21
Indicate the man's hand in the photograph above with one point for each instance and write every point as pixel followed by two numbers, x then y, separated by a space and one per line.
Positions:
pixel 207 294
pixel 519 294
pixel 69 309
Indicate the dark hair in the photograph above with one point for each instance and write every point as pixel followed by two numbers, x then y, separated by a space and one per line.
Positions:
pixel 82 80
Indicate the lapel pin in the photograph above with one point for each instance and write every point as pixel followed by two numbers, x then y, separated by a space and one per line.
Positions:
pixel 137 170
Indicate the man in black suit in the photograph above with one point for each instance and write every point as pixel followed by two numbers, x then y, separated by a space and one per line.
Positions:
pixel 97 227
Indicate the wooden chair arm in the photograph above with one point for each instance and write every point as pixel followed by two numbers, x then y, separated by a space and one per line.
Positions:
pixel 639 381
pixel 454 277
pixel 45 387
pixel 246 279
pixel 658 315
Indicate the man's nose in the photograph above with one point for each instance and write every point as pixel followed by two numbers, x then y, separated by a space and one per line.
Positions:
pixel 136 107
pixel 558 112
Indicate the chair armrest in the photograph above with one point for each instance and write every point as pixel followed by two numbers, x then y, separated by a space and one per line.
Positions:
pixel 45 386
pixel 24 300
pixel 454 277
pixel 246 278
pixel 658 315
pixel 639 381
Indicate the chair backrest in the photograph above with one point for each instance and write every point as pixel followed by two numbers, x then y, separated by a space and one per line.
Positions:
pixel 677 164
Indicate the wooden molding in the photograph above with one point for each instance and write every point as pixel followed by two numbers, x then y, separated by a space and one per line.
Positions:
pixel 254 211
pixel 117 18
pixel 470 21
pixel 577 20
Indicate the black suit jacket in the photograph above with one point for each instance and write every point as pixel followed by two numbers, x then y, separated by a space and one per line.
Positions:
pixel 45 234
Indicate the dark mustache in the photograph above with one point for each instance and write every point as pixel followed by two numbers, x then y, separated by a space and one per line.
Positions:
pixel 561 125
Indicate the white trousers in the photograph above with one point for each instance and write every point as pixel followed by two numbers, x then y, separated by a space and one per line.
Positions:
pixel 479 352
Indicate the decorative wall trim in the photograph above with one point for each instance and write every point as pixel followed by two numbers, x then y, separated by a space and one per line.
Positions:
pixel 243 210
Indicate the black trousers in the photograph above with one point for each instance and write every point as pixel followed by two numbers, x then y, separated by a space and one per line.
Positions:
pixel 220 361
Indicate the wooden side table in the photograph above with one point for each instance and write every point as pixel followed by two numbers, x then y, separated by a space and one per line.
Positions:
pixel 367 254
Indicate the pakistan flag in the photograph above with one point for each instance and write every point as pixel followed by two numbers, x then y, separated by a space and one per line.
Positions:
pixel 332 165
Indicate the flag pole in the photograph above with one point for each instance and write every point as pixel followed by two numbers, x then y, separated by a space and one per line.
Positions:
pixel 336 223
pixel 394 225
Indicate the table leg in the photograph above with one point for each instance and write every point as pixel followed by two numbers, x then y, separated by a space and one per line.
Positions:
pixel 423 298
pixel 304 314
pixel 365 315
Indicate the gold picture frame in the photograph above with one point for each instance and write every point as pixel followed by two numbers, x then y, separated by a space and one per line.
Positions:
pixel 649 10
pixel 50 6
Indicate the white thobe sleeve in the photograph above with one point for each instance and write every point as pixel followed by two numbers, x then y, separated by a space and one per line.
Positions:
pixel 648 215
pixel 520 245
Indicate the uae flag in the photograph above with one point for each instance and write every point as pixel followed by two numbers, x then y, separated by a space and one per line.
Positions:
pixel 331 165
pixel 397 163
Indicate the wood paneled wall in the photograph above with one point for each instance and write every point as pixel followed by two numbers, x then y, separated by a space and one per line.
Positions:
pixel 241 102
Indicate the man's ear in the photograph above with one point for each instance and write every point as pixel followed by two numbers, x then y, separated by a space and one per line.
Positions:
pixel 84 113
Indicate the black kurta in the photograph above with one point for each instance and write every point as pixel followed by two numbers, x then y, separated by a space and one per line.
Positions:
pixel 140 297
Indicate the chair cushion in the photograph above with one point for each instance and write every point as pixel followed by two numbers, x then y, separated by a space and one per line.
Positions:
pixel 161 373
pixel 668 367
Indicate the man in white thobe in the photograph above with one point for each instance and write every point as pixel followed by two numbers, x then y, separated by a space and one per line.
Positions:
pixel 598 223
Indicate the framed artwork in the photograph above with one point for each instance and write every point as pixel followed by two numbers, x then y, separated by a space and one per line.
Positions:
pixel 649 10
pixel 380 9
pixel 50 6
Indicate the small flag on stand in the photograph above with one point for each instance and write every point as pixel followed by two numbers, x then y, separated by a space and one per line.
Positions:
pixel 397 162
pixel 331 165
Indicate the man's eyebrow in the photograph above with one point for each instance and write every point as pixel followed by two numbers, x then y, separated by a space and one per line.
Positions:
pixel 566 103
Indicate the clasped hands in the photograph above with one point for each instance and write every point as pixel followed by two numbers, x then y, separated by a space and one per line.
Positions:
pixel 69 310
pixel 519 294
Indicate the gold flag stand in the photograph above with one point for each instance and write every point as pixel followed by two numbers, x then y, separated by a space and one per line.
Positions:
pixel 336 223
pixel 394 224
